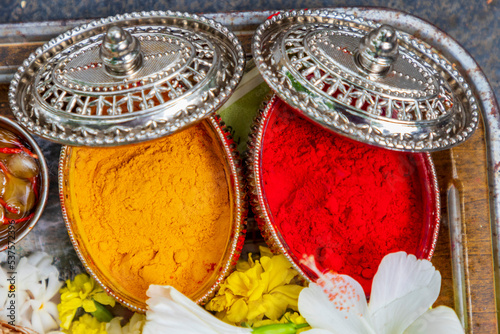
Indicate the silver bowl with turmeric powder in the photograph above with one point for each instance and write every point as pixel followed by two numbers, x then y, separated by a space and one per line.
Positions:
pixel 150 182
pixel 168 211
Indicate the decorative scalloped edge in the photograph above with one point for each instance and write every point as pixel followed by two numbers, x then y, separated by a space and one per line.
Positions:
pixel 55 132
pixel 258 203
pixel 238 232
pixel 399 141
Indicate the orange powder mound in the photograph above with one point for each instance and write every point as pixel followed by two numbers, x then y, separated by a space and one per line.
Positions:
pixel 154 213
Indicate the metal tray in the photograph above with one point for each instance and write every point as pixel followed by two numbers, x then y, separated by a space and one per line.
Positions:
pixel 467 253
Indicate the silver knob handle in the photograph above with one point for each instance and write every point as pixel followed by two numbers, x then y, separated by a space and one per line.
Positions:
pixel 377 51
pixel 120 52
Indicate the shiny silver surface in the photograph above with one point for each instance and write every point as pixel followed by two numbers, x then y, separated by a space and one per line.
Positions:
pixel 377 51
pixel 66 93
pixel 310 58
pixel 120 52
pixel 462 302
pixel 22 229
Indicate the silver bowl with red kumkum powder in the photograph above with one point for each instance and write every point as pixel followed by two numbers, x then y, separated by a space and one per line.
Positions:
pixel 338 163
pixel 24 183
pixel 137 92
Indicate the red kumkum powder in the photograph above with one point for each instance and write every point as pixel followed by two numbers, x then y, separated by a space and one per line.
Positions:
pixel 347 203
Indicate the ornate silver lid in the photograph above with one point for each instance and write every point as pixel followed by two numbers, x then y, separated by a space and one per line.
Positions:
pixel 127 78
pixel 365 80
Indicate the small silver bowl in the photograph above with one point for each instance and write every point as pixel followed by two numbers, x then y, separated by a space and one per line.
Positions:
pixel 11 234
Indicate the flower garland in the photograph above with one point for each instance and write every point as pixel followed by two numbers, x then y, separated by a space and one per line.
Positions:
pixel 403 292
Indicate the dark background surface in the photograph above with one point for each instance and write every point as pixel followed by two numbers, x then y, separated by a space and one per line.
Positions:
pixel 473 23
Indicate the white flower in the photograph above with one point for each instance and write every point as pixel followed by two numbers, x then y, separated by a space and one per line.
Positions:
pixel 403 290
pixel 169 311
pixel 36 283
pixel 134 326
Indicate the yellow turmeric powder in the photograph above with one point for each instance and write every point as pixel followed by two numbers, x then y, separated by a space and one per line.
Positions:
pixel 159 212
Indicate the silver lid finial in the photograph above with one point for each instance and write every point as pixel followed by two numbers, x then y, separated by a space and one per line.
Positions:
pixel 120 52
pixel 377 51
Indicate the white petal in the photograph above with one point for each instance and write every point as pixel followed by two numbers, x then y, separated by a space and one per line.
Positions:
pixel 439 320
pixel 51 308
pixel 3 298
pixel 114 326
pixel 48 322
pixel 403 289
pixel 317 331
pixel 3 278
pixel 43 262
pixel 36 323
pixel 37 257
pixel 341 309
pixel 53 286
pixel 169 311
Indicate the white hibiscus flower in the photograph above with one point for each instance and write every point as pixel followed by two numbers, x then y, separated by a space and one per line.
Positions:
pixel 403 291
pixel 170 311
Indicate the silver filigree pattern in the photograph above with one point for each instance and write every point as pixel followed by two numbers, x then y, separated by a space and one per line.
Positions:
pixel 422 104
pixel 190 66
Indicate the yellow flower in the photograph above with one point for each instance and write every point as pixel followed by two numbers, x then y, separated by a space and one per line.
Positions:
pixel 83 292
pixel 87 324
pixel 293 317
pixel 256 290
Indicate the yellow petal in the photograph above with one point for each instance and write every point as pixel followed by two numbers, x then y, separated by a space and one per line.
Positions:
pixel 264 322
pixel 265 251
pixel 104 299
pixel 255 272
pixel 278 270
pixel 238 311
pixel 217 304
pixel 238 283
pixel 256 310
pixel 71 304
pixel 89 306
pixel 288 293
pixel 294 317
pixel 275 306
pixel 87 324
pixel 66 318
pixel 256 286
pixel 243 265
pixel 70 296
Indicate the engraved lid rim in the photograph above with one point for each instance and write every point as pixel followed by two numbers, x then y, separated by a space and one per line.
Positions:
pixel 441 116
pixel 73 109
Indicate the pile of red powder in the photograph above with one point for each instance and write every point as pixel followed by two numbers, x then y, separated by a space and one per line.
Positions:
pixel 347 203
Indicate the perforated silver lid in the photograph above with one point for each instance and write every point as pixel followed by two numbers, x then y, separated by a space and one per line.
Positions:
pixel 127 78
pixel 365 80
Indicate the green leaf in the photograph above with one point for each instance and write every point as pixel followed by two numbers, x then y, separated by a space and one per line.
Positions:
pixel 289 328
pixel 101 313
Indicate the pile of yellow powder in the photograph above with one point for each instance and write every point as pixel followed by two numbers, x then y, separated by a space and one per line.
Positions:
pixel 154 213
